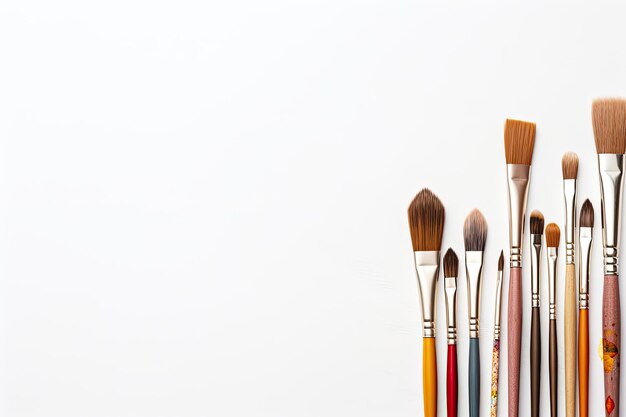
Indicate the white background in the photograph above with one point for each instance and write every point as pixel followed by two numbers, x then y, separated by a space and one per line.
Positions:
pixel 203 204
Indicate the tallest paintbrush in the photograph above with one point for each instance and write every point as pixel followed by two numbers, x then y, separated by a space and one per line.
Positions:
pixel 519 141
pixel 609 129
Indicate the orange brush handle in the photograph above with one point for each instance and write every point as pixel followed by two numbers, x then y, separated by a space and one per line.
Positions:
pixel 583 363
pixel 429 367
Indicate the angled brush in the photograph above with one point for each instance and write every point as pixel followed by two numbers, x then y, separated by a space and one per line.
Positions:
pixel 495 355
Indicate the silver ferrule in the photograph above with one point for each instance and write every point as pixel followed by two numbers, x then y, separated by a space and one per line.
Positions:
pixel 450 288
pixel 535 267
pixel 553 256
pixel 611 167
pixel 496 318
pixel 474 274
pixel 518 178
pixel 585 239
pixel 427 268
pixel 569 192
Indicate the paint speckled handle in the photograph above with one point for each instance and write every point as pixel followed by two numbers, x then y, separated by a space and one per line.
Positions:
pixel 514 321
pixel 452 382
pixel 611 344
pixel 495 374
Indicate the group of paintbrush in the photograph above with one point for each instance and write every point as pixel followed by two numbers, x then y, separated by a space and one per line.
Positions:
pixel 426 222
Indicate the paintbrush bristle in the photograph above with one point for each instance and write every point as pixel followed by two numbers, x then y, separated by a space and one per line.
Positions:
pixel 450 264
pixel 586 214
pixel 553 235
pixel 519 141
pixel 426 219
pixel 501 261
pixel 475 231
pixel 569 165
pixel 536 222
pixel 609 125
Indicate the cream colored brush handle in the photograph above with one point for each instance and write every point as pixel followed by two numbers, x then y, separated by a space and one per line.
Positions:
pixel 571 355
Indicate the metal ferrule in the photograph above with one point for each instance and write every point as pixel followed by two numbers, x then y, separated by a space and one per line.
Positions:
pixel 496 318
pixel 535 269
pixel 584 259
pixel 553 256
pixel 569 192
pixel 518 178
pixel 611 167
pixel 450 288
pixel 474 274
pixel 427 268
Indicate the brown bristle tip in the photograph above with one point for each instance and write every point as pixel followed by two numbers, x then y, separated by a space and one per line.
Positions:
pixel 426 218
pixel 475 231
pixel 501 261
pixel 553 235
pixel 569 165
pixel 536 222
pixel 519 141
pixel 609 125
pixel 450 264
pixel 586 214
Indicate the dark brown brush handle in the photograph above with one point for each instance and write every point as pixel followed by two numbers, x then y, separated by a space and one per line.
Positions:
pixel 514 321
pixel 611 344
pixel 535 362
pixel 554 366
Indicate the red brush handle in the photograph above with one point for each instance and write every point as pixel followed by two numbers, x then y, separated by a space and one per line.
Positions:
pixel 514 320
pixel 611 323
pixel 452 382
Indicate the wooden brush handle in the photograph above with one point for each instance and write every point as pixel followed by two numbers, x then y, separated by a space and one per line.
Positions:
pixel 514 321
pixel 535 362
pixel 452 382
pixel 611 322
pixel 583 363
pixel 495 374
pixel 571 310
pixel 474 378
pixel 554 366
pixel 429 367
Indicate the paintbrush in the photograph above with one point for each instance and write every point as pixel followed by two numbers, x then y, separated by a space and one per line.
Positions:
pixel 519 140
pixel 569 165
pixel 553 235
pixel 609 128
pixel 450 273
pixel 475 237
pixel 426 220
pixel 495 355
pixel 536 246
pixel 585 238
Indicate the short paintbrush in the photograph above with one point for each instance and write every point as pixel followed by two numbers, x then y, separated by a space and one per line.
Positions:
pixel 519 140
pixel 585 238
pixel 536 246
pixel 495 356
pixel 609 128
pixel 426 220
pixel 450 273
pixel 553 235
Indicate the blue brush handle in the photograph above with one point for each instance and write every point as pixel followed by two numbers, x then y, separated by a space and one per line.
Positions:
pixel 474 378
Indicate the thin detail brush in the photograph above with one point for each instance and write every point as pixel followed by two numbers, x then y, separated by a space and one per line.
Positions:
pixel 495 355
pixel 553 235
pixel 536 246
pixel 585 238
pixel 450 273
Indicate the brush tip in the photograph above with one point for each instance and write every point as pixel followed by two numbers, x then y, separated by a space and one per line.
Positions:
pixel 519 141
pixel 536 222
pixel 450 264
pixel 609 125
pixel 553 235
pixel 569 165
pixel 501 261
pixel 475 231
pixel 426 218
pixel 586 214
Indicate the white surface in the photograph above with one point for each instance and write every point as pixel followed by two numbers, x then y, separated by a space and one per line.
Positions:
pixel 203 204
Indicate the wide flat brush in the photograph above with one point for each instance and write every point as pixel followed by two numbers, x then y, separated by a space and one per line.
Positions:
pixel 495 355
pixel 450 273
pixel 426 220
pixel 569 165
pixel 519 141
pixel 553 235
pixel 475 238
pixel 585 239
pixel 536 246
pixel 609 129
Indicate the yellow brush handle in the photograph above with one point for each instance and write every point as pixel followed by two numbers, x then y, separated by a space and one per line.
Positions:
pixel 571 340
pixel 429 367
